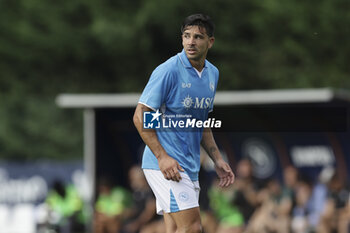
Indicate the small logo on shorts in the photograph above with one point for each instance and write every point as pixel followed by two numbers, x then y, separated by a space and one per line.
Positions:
pixel 183 196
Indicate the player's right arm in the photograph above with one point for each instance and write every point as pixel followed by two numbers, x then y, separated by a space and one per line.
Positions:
pixel 167 165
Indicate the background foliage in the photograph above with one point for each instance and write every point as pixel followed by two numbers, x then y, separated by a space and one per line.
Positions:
pixel 108 46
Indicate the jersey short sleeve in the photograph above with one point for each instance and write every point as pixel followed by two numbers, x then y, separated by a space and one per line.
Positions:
pixel 157 88
pixel 213 85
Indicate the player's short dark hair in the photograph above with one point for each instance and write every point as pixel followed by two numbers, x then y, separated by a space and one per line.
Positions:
pixel 199 20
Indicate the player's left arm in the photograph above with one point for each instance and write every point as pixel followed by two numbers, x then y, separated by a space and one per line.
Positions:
pixel 222 168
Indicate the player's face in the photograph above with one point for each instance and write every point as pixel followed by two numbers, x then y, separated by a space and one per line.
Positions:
pixel 196 42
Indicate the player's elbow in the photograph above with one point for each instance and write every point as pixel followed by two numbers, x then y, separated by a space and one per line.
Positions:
pixel 137 116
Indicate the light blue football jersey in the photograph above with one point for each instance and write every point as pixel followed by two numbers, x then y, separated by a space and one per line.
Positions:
pixel 176 88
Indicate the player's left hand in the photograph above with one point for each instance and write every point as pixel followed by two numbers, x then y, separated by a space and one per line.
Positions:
pixel 226 176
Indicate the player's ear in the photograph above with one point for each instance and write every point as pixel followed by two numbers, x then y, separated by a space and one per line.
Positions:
pixel 211 41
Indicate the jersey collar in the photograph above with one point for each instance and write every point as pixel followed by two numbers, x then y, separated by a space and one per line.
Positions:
pixel 185 62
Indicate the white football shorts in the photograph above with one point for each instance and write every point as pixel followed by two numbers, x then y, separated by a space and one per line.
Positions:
pixel 172 196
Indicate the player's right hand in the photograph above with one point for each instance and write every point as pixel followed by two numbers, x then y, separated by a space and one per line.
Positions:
pixel 170 168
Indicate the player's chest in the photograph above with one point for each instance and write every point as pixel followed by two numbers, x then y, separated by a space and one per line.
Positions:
pixel 192 92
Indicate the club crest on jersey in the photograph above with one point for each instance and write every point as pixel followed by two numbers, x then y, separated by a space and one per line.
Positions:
pixel 211 86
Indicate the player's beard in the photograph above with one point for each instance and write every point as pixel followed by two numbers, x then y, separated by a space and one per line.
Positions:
pixel 197 55
pixel 193 53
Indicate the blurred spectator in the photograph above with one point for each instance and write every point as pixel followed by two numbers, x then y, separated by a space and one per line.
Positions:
pixel 290 181
pixel 229 217
pixel 234 206
pixel 287 202
pixel 110 205
pixel 246 189
pixel 318 198
pixel 300 213
pixel 335 217
pixel 273 215
pixel 270 216
pixel 142 215
pixel 66 207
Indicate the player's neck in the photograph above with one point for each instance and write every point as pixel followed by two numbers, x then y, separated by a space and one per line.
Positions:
pixel 199 65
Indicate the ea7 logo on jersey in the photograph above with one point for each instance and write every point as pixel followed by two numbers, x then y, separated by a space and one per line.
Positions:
pixel 151 120
pixel 186 85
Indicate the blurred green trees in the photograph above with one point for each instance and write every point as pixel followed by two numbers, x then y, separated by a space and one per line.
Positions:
pixel 52 47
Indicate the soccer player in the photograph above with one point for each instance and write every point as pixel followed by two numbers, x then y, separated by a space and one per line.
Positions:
pixel 185 84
